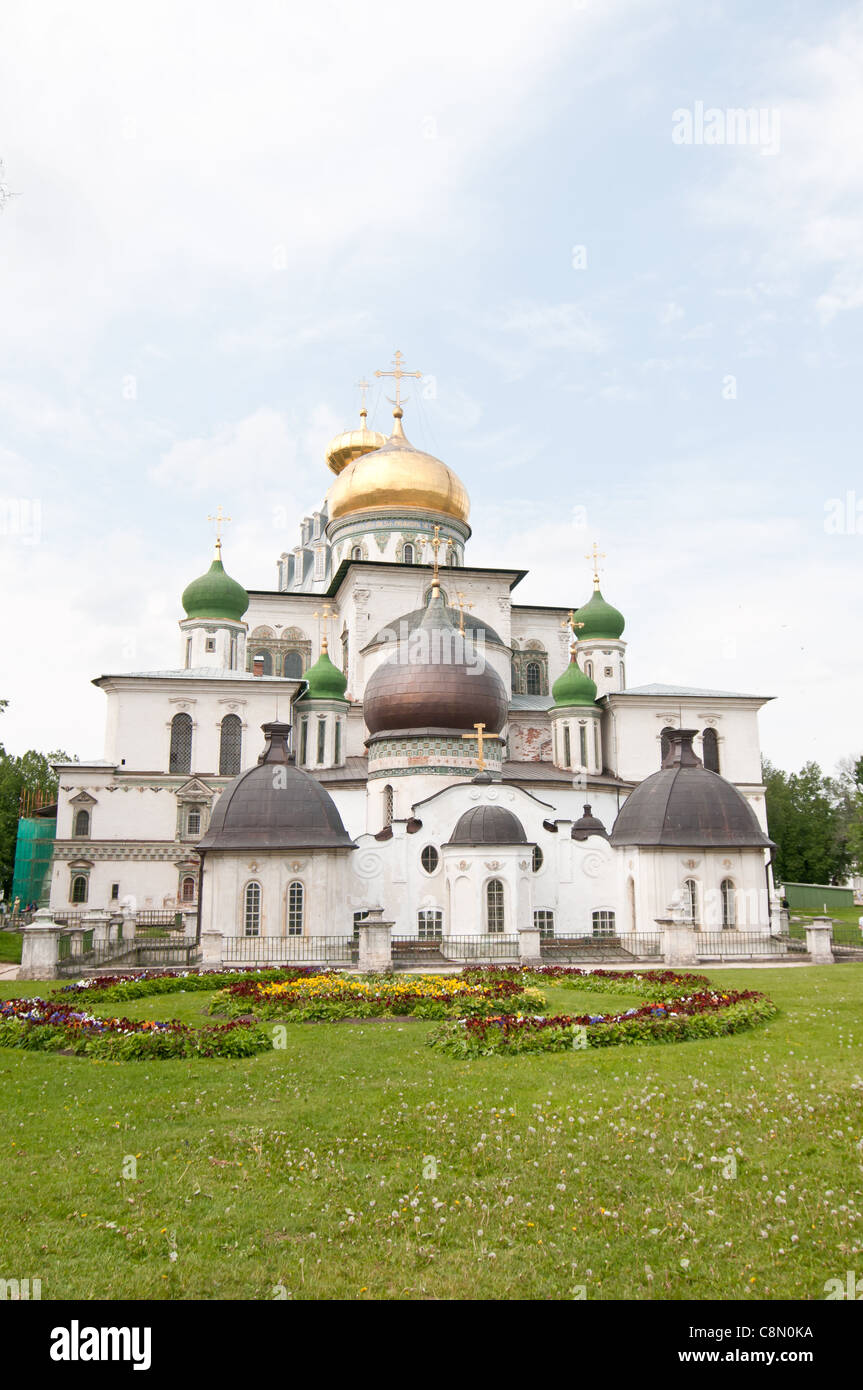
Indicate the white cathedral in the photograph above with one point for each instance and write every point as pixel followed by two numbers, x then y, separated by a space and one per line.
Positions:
pixel 390 729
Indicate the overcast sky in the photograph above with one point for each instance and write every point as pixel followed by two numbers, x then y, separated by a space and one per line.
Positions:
pixel 634 326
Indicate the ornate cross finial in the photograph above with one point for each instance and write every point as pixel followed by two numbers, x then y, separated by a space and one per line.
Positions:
pixel 572 624
pixel 436 544
pixel 363 386
pixel 324 617
pixel 398 373
pixel 595 556
pixel 461 607
pixel 480 736
pixel 220 520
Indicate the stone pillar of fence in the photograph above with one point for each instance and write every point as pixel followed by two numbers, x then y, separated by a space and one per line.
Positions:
pixel 819 940
pixel 76 941
pixel 99 922
pixel 130 925
pixel 190 921
pixel 529 949
pixel 375 943
pixel 679 941
pixel 40 947
pixel 211 949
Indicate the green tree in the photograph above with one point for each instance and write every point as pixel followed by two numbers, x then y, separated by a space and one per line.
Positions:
pixel 31 771
pixel 807 818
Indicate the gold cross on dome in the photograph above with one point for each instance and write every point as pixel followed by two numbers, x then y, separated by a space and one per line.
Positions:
pixel 480 737
pixel 398 373
pixel 324 617
pixel 595 556
pixel 220 520
pixel 461 607
pixel 571 622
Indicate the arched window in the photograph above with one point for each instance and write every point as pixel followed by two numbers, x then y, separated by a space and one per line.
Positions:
pixel 429 859
pixel 533 678
pixel 293 665
pixel 357 552
pixel 494 905
pixel 266 660
pixel 588 669
pixel 304 740
pixel 729 903
pixel 252 909
pixel 582 744
pixel 630 902
pixel 230 746
pixel 603 923
pixel 187 892
pixel 452 558
pixel 180 758
pixel 408 554
pixel 322 740
pixel 516 688
pixel 389 805
pixel 537 859
pixel 710 750
pixel 567 746
pixel 79 888
pixel 430 924
pixel 337 742
pixel 664 742
pixel 82 823
pixel 690 900
pixel 295 909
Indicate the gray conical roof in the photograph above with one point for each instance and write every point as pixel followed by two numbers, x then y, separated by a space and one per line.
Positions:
pixel 275 806
pixel 683 805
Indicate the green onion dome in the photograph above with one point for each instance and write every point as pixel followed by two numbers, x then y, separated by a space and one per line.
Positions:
pixel 598 619
pixel 326 681
pixel 215 595
pixel 573 687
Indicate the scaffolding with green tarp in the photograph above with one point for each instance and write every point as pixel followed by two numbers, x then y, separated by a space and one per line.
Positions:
pixel 34 849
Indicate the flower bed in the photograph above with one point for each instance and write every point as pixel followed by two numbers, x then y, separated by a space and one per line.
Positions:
pixel 327 995
pixel 54 1025
pixel 651 984
pixel 146 982
pixel 706 1013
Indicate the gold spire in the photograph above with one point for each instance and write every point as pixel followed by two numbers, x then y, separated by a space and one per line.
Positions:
pixel 324 617
pixel 220 520
pixel 436 544
pixel 595 556
pixel 364 413
pixel 398 373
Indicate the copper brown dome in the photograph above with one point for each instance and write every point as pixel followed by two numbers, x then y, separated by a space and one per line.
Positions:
pixel 423 686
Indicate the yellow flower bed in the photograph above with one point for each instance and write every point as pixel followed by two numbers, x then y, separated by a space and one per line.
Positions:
pixel 318 986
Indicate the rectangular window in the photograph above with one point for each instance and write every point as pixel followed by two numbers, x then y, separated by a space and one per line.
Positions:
pixel 211 644
pixel 193 823
pixel 337 749
pixel 597 745
pixel 304 740
pixel 430 924
pixel 567 746
pixel 603 923
pixel 115 892
pixel 543 921
pixel 582 744
pixel 188 652
pixel 322 739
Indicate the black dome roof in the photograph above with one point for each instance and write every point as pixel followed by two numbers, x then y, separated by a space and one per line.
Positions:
pixel 586 825
pixel 684 805
pixel 488 825
pixel 275 806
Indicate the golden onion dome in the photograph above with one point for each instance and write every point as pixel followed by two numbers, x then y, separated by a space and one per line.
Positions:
pixel 352 444
pixel 398 476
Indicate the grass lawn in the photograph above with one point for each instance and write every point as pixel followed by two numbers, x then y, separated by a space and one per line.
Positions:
pixel 359 1163
pixel 846 923
pixel 10 947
